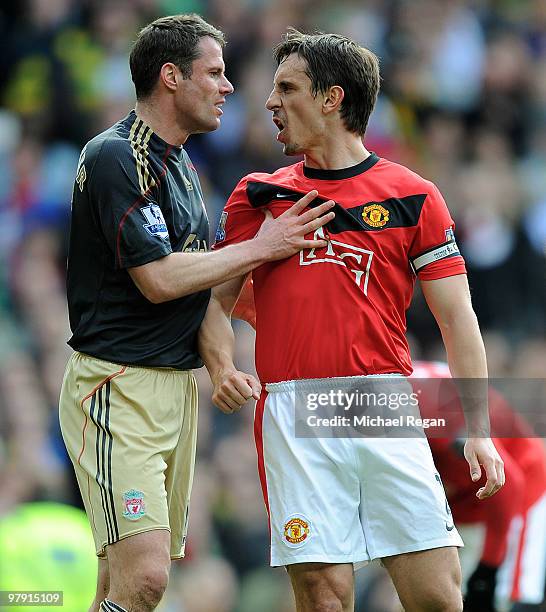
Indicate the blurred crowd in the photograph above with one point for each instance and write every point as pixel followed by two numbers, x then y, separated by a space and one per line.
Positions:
pixel 463 103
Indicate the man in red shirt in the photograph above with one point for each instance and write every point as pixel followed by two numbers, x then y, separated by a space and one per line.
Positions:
pixel 511 564
pixel 333 316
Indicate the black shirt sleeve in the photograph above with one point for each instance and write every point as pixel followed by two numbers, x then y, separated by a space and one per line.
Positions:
pixel 124 195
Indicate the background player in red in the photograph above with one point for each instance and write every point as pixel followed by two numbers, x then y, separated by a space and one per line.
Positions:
pixel 327 314
pixel 512 561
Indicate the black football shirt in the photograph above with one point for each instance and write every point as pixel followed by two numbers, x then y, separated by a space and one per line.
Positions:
pixel 136 199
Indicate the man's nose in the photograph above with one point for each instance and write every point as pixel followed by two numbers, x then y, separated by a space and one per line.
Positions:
pixel 273 101
pixel 227 87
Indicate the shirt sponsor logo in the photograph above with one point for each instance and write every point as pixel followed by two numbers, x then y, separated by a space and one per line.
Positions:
pixel 81 174
pixel 221 230
pixel 192 244
pixel 156 225
pixel 80 178
pixel 187 183
pixel 375 215
pixel 358 261
pixel 296 531
pixel 134 505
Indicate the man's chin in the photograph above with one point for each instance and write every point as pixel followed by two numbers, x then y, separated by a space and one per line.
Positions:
pixel 291 149
pixel 209 127
pixel 214 124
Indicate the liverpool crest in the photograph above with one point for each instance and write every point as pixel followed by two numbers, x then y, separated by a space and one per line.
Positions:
pixel 134 505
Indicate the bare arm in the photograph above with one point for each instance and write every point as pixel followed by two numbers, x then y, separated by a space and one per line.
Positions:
pixel 449 301
pixel 232 388
pixel 180 274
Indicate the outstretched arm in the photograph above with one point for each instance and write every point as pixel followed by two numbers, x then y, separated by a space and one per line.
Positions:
pixel 180 274
pixel 449 300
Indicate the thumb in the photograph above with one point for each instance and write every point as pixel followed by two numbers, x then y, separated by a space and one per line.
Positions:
pixel 255 386
pixel 475 469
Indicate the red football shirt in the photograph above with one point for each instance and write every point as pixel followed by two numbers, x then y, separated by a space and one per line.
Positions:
pixel 341 310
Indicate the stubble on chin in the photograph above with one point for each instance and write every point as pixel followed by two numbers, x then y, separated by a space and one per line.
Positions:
pixel 291 149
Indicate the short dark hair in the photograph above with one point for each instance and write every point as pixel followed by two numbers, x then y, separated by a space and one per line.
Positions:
pixel 333 59
pixel 168 39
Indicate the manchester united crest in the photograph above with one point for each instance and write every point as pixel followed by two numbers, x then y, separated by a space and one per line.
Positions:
pixel 296 531
pixel 375 215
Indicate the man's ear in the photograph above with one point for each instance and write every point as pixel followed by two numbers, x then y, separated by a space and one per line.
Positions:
pixel 333 99
pixel 170 76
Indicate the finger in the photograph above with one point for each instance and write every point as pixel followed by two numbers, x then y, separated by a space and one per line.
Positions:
pixel 228 407
pixel 267 213
pixel 491 486
pixel 317 211
pixel 236 388
pixel 222 405
pixel 234 395
pixel 302 203
pixel 235 407
pixel 316 223
pixel 499 466
pixel 475 469
pixel 313 244
pixel 502 473
pixel 484 494
pixel 228 396
pixel 242 390
pixel 255 386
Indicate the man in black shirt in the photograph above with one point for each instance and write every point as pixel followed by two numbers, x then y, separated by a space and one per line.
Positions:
pixel 139 274
pixel 141 199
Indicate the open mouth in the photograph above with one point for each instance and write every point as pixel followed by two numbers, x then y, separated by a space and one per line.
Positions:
pixel 278 123
pixel 280 126
pixel 218 106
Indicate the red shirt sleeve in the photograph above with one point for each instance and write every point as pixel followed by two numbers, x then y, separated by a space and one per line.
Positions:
pixel 240 220
pixel 434 253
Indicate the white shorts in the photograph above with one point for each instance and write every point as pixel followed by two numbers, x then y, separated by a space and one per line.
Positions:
pixel 345 500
